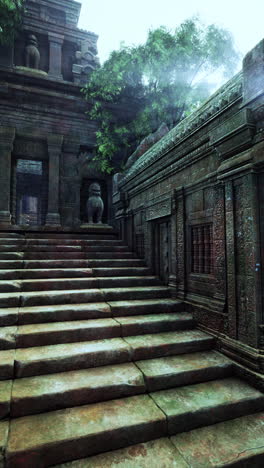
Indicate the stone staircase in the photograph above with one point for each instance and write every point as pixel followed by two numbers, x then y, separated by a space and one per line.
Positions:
pixel 99 365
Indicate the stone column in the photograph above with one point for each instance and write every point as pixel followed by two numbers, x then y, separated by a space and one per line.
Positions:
pixel 7 136
pixel 54 149
pixel 55 59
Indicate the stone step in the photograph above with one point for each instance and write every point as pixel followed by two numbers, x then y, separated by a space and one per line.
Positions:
pixel 44 264
pixel 33 395
pixel 27 299
pixel 145 306
pixel 201 404
pixel 159 453
pixel 185 369
pixel 57 436
pixel 77 283
pixel 71 273
pixel 67 389
pixel 45 273
pixel 72 236
pixel 50 359
pixel 69 356
pixel 70 312
pixel 66 332
pixel 39 242
pixel 236 443
pixel 63 248
pixel 65 255
pixel 31 335
pixel 169 343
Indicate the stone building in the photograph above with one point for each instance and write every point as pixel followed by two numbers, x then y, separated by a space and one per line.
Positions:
pixel 192 206
pixel 46 140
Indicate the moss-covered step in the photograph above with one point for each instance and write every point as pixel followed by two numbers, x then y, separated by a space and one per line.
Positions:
pixel 206 403
pixel 70 356
pixel 66 332
pixel 7 361
pixel 55 437
pixel 5 398
pixel 166 344
pixel 155 323
pixel 145 306
pixel 160 453
pixel 236 443
pixel 67 389
pixel 62 312
pixel 68 255
pixel 45 273
pixel 184 369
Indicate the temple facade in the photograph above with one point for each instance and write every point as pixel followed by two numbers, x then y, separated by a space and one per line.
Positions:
pixel 46 139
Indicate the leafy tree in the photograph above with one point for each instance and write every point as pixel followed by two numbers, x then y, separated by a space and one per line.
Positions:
pixel 161 81
pixel 10 19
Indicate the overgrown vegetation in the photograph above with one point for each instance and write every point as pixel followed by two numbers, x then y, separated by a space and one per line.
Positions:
pixel 10 19
pixel 162 81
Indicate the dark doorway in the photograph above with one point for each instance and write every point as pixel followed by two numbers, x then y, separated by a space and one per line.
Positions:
pixel 161 234
pixel 29 192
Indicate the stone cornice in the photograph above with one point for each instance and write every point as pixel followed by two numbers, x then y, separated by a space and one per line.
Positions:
pixel 225 97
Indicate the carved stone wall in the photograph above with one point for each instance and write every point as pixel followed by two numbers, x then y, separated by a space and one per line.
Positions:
pixel 205 179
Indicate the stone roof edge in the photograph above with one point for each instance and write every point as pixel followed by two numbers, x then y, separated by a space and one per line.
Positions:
pixel 223 97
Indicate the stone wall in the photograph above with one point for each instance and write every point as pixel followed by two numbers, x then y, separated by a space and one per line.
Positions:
pixel 194 201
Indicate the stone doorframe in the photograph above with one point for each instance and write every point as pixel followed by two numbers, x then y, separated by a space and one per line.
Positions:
pixel 48 147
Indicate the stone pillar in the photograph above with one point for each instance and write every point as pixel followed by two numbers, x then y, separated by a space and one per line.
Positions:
pixel 7 136
pixel 54 149
pixel 55 59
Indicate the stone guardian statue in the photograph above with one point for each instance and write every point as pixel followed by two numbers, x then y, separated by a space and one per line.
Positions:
pixel 32 54
pixel 95 204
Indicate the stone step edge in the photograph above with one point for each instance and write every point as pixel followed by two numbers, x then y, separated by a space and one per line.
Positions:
pixel 19 455
pixel 86 329
pixel 66 395
pixel 10 315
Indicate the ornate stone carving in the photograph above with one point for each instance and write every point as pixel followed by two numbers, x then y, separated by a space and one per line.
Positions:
pixel 32 55
pixel 86 61
pixel 95 204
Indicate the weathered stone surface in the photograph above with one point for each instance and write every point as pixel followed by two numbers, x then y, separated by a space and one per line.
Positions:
pixel 5 397
pixel 147 306
pixel 207 403
pixel 46 273
pixel 63 312
pixel 66 332
pixel 122 271
pixel 8 337
pixel 174 371
pixel 64 357
pixel 165 344
pixel 238 442
pixel 48 392
pixel 140 324
pixel 116 294
pixel 7 359
pixel 54 437
pixel 155 454
pixel 4 425
pixel 10 286
pixel 59 283
pixel 8 316
pixel 61 297
pixel 9 300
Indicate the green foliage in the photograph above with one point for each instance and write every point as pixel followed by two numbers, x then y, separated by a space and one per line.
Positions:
pixel 10 19
pixel 162 81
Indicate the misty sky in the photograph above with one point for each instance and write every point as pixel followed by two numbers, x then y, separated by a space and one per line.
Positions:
pixel 129 20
